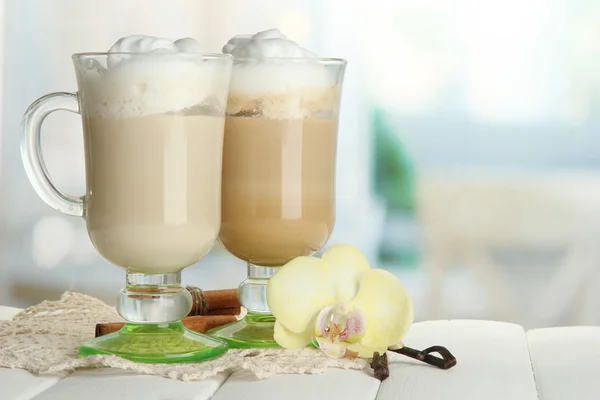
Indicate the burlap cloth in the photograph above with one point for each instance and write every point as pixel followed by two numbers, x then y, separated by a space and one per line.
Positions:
pixel 44 339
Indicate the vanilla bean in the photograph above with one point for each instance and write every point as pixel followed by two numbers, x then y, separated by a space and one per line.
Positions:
pixel 381 371
pixel 446 362
pixel 380 367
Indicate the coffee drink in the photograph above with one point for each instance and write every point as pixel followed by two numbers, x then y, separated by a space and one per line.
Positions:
pixel 153 193
pixel 279 156
pixel 278 195
pixel 278 187
pixel 153 137
pixel 153 117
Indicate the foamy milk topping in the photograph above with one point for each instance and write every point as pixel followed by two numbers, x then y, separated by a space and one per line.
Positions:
pixel 266 44
pixel 277 74
pixel 147 44
pixel 156 76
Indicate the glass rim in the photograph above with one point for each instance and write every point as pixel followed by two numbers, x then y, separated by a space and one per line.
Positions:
pixel 210 56
pixel 217 56
pixel 321 60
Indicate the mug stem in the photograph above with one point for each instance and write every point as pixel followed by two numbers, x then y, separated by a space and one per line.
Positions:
pixel 256 330
pixel 252 292
pixel 154 298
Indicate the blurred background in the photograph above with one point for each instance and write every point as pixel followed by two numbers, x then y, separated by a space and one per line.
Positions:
pixel 469 147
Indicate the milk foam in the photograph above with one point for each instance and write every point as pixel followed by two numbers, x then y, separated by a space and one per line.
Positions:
pixel 275 77
pixel 161 77
pixel 266 44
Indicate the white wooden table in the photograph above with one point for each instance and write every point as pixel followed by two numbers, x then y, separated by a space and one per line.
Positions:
pixel 496 361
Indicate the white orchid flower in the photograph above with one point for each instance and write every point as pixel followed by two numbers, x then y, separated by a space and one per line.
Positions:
pixel 340 303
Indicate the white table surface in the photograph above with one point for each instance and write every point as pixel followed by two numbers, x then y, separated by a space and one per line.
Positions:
pixel 496 361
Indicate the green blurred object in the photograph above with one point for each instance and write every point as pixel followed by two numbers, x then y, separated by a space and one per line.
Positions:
pixel 394 179
pixel 394 174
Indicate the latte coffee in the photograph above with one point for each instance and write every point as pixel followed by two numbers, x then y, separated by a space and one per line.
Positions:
pixel 153 136
pixel 278 198
pixel 153 192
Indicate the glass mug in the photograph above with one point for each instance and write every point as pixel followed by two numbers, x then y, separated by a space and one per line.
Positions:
pixel 153 138
pixel 278 190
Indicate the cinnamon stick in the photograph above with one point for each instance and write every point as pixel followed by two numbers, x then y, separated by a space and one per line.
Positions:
pixel 224 311
pixel 214 302
pixel 199 324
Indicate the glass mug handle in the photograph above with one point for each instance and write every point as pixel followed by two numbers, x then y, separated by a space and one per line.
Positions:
pixel 33 159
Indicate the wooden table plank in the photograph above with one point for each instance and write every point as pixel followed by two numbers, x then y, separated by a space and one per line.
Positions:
pixel 565 362
pixel 18 384
pixel 333 384
pixel 113 384
pixel 493 364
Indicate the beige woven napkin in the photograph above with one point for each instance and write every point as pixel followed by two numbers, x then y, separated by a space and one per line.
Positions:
pixel 44 339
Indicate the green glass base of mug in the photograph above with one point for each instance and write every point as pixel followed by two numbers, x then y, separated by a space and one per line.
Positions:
pixel 254 331
pixel 147 343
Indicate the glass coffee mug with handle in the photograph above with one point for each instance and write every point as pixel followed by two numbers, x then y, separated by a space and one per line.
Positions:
pixel 279 157
pixel 153 128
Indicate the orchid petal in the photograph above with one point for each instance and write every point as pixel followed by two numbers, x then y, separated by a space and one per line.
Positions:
pixel 333 349
pixel 298 291
pixel 366 352
pixel 347 264
pixel 387 307
pixel 291 340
